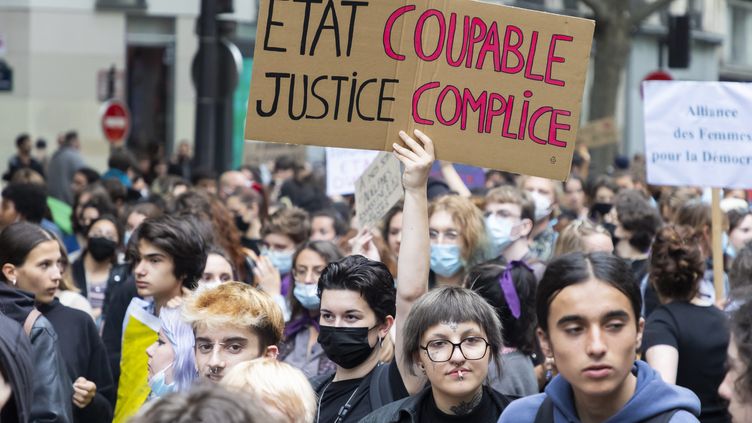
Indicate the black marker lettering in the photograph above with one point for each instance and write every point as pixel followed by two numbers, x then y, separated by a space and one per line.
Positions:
pixel 354 5
pixel 269 23
pixel 352 97
pixel 382 99
pixel 357 100
pixel 306 18
pixel 322 26
pixel 273 110
pixel 291 105
pixel 321 99
pixel 339 80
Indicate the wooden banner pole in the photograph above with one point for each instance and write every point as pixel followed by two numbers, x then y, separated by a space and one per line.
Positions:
pixel 717 222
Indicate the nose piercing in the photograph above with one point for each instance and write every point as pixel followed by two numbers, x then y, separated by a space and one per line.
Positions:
pixel 214 370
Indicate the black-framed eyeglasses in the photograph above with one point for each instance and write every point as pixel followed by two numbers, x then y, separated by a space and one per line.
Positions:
pixel 441 350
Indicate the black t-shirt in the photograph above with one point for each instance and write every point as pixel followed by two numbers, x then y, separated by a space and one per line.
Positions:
pixel 336 394
pixel 701 335
pixel 486 411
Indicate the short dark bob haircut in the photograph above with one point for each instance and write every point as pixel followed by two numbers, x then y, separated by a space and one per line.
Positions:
pixel 370 278
pixel 450 304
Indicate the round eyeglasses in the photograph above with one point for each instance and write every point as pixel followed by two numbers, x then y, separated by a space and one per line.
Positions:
pixel 441 350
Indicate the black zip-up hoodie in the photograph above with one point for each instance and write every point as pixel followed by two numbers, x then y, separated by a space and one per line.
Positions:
pixel 15 360
pixel 52 386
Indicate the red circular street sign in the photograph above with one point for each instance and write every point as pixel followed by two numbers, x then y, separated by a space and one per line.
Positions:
pixel 115 120
pixel 659 75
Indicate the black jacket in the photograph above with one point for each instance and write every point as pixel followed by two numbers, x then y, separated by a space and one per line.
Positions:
pixel 407 409
pixel 15 360
pixel 112 331
pixel 53 386
pixel 118 275
pixel 84 353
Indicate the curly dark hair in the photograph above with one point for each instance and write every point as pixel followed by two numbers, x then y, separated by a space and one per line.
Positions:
pixel 209 209
pixel 676 263
pixel 637 216
pixel 741 330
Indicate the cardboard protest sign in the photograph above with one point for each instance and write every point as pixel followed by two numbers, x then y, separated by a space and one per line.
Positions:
pixel 262 152
pixel 378 190
pixel 698 133
pixel 343 167
pixel 494 86
pixel 598 133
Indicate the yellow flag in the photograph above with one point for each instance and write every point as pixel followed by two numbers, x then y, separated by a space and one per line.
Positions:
pixel 140 331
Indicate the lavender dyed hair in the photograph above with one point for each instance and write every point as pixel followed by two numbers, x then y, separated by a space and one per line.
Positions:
pixel 180 335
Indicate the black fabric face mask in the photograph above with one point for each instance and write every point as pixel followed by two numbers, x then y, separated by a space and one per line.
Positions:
pixel 241 224
pixel 347 347
pixel 602 208
pixel 101 248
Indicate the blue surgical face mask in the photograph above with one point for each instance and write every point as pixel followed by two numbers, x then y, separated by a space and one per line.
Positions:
pixel 728 249
pixel 307 295
pixel 282 260
pixel 445 259
pixel 127 237
pixel 157 383
pixel 499 232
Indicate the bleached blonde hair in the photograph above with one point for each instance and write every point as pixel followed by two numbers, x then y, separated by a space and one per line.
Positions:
pixel 283 388
pixel 236 304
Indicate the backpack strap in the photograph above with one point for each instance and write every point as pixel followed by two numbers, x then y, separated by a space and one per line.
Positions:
pixel 664 417
pixel 380 390
pixel 545 412
pixel 30 320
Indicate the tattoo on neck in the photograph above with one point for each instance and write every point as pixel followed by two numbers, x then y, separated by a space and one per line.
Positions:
pixel 464 408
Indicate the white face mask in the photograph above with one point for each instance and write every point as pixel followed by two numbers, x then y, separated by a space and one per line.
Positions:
pixel 499 232
pixel 542 205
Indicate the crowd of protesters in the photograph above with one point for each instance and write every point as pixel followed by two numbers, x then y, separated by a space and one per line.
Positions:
pixel 158 292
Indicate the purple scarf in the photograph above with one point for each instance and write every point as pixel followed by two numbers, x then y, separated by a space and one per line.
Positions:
pixel 507 287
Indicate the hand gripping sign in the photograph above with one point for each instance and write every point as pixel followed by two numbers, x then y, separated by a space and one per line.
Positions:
pixel 494 86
